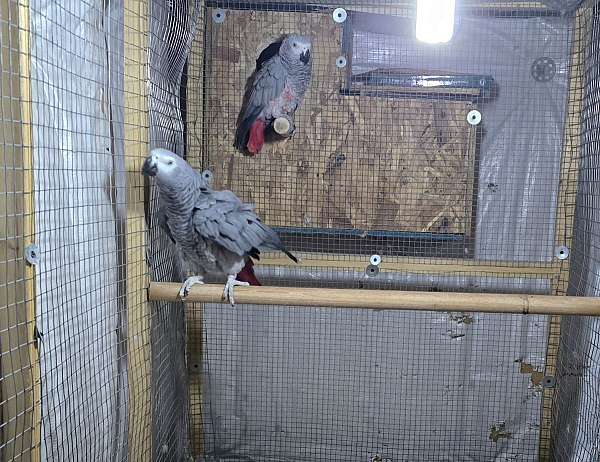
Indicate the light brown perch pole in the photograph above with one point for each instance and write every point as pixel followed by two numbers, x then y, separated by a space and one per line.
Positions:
pixel 384 299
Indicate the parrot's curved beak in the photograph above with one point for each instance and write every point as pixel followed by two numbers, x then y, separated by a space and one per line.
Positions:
pixel 150 168
pixel 305 56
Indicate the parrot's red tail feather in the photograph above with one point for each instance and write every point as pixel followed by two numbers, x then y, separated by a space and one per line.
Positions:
pixel 257 136
pixel 247 274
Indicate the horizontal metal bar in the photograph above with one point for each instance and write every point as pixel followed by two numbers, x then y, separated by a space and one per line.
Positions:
pixel 351 278
pixel 364 234
pixel 345 262
pixel 384 299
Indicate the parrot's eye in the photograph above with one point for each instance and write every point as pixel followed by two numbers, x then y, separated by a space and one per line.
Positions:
pixel 295 44
pixel 170 162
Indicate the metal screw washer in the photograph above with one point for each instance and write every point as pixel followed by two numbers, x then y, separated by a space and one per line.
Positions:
pixel 562 252
pixel 341 62
pixel 372 271
pixel 474 117
pixel 32 254
pixel 218 15
pixel 339 15
pixel 375 260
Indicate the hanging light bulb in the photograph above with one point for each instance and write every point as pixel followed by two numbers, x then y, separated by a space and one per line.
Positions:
pixel 435 20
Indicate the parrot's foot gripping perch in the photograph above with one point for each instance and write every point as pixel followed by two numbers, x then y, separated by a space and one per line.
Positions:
pixel 228 290
pixel 187 285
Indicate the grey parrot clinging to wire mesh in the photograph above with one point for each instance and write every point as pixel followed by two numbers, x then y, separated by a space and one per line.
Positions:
pixel 273 91
pixel 214 231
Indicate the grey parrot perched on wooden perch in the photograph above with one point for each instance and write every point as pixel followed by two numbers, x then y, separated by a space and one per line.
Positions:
pixel 214 231
pixel 274 92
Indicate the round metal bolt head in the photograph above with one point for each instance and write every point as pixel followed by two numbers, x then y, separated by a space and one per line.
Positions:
pixel 341 62
pixel 474 117
pixel 372 271
pixel 218 15
pixel 375 260
pixel 339 15
pixel 562 252
pixel 32 254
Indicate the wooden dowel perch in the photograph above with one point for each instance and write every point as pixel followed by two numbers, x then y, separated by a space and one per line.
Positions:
pixel 385 299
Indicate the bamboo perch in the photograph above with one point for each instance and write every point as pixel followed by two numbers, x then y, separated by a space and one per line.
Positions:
pixel 385 299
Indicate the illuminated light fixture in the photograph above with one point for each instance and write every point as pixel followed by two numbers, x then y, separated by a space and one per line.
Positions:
pixel 435 20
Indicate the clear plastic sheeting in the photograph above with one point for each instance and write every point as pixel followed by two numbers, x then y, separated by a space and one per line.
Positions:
pixel 78 101
pixel 306 384
pixel 521 144
pixel 78 213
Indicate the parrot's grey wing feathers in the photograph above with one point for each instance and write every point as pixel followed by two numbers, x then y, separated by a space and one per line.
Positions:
pixel 262 87
pixel 163 222
pixel 269 52
pixel 232 224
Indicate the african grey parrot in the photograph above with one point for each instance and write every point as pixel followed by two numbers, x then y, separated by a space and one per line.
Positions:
pixel 214 232
pixel 275 89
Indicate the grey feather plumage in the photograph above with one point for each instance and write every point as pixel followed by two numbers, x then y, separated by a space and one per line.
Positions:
pixel 214 231
pixel 275 88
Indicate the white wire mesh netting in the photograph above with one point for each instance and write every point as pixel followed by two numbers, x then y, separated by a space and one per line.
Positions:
pixel 384 161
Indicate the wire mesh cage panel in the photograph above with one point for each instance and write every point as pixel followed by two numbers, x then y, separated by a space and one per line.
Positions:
pixel 388 160
pixel 79 377
pixel 466 168
pixel 385 160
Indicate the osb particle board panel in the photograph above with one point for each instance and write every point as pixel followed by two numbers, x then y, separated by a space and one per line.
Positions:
pixel 355 161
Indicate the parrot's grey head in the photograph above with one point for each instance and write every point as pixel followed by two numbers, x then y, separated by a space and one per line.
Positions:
pixel 168 168
pixel 296 48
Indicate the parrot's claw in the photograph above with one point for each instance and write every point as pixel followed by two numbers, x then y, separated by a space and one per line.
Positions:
pixel 187 285
pixel 228 290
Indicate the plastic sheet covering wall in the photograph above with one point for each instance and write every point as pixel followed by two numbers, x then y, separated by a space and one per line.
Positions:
pixel 519 158
pixel 77 80
pixel 289 384
pixel 576 426
pixel 296 384
pixel 79 216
